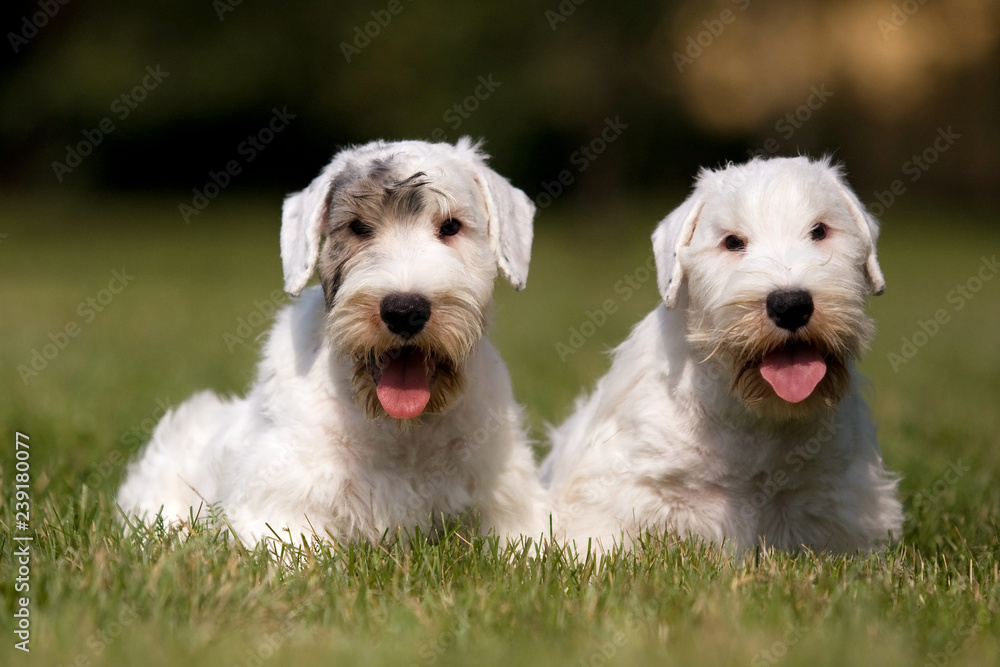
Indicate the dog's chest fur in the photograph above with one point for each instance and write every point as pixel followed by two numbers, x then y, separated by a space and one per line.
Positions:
pixel 360 476
pixel 666 458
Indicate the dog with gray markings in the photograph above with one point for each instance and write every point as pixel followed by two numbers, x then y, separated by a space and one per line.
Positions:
pixel 733 411
pixel 379 407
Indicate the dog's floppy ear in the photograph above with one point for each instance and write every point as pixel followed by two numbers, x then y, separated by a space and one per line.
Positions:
pixel 302 216
pixel 673 233
pixel 868 229
pixel 510 214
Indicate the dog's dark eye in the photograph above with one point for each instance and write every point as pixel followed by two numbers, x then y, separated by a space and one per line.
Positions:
pixel 734 243
pixel 450 227
pixel 361 229
pixel 818 232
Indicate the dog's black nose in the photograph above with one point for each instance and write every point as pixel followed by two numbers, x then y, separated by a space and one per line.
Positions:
pixel 405 314
pixel 790 309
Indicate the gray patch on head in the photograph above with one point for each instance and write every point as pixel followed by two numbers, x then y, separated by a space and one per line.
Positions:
pixel 381 169
pixel 337 251
pixel 349 174
pixel 379 194
pixel 406 197
pixel 374 195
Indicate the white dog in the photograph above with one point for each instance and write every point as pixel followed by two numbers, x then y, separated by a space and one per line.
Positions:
pixel 732 412
pixel 379 407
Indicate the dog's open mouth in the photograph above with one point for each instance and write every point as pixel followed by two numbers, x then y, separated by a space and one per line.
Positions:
pixel 403 378
pixel 794 371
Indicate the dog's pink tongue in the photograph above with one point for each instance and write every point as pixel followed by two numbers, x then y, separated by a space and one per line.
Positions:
pixel 793 372
pixel 405 386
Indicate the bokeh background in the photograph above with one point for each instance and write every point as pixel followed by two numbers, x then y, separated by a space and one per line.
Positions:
pixel 697 83
pixel 118 122
pixel 118 302
pixel 115 117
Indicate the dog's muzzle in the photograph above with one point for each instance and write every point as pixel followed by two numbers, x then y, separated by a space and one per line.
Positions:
pixel 796 368
pixel 403 375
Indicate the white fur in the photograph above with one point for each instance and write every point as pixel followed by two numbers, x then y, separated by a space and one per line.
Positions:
pixel 663 443
pixel 298 456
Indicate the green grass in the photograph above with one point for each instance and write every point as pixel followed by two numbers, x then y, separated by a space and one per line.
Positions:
pixel 206 601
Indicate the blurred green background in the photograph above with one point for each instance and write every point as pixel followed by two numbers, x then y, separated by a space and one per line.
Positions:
pixel 697 83
pixel 114 114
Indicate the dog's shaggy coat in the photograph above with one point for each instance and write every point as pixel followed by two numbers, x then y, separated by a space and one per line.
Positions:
pixel 732 412
pixel 379 407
